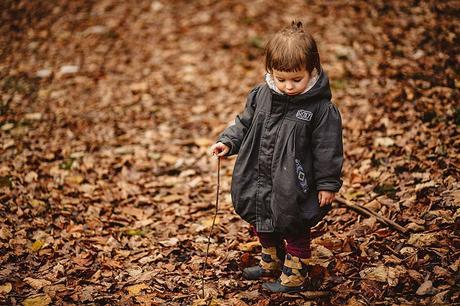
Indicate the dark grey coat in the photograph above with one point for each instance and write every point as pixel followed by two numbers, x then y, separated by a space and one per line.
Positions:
pixel 289 148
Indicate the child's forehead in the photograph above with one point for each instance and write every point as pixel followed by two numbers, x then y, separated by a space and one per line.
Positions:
pixel 290 74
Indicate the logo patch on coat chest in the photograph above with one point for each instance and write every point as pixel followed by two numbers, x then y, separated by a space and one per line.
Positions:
pixel 304 115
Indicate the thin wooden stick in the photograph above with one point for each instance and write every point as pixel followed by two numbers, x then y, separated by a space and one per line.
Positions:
pixel 212 226
pixel 369 212
pixel 311 295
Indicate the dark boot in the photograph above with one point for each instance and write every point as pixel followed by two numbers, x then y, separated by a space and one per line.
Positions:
pixel 292 277
pixel 269 265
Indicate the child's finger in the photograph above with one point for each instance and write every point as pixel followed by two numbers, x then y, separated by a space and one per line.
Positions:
pixel 221 152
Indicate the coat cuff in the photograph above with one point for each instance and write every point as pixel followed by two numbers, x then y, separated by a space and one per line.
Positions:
pixel 333 186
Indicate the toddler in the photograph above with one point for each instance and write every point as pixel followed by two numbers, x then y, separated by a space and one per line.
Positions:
pixel 289 144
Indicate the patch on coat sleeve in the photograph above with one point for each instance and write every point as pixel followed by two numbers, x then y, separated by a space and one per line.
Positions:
pixel 301 176
pixel 304 115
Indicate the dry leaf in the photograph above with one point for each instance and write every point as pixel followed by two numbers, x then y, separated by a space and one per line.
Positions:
pixel 31 176
pixel 136 289
pixel 426 288
pixel 37 245
pixel 423 240
pixel 37 283
pixel 170 242
pixel 39 300
pixel 5 288
pixel 248 247
pixel 379 274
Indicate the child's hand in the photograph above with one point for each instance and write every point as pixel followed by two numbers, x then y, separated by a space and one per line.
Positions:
pixel 219 149
pixel 325 197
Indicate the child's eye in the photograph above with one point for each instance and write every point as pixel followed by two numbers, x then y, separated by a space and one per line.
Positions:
pixel 281 80
pixel 297 80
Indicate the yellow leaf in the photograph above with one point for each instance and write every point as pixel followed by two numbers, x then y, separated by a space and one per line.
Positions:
pixel 134 232
pixel 5 288
pixel 136 289
pixel 39 300
pixel 208 222
pixel 248 247
pixel 37 203
pixel 37 245
pixel 206 302
pixel 169 159
pixel 74 179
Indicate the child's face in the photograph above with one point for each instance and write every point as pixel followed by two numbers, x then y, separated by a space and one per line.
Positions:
pixel 291 83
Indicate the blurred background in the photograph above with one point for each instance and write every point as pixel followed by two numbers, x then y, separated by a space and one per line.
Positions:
pixel 107 112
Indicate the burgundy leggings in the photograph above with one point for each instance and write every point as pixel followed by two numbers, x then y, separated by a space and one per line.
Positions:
pixel 296 245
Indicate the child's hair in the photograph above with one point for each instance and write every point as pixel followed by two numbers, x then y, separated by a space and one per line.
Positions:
pixel 291 49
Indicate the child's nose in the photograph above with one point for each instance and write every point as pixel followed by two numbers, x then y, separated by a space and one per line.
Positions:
pixel 289 85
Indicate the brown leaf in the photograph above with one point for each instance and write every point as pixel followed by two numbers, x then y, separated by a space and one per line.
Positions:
pixel 379 274
pixel 136 289
pixel 426 288
pixel 37 283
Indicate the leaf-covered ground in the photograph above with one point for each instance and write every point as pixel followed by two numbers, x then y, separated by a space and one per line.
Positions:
pixel 108 109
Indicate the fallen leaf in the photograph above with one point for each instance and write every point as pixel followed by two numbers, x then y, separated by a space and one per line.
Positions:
pixel 426 288
pixel 74 179
pixel 170 242
pixel 248 247
pixel 208 222
pixel 5 288
pixel 37 245
pixel 321 252
pixel 206 302
pixel 38 300
pixel 136 289
pixel 379 274
pixel 423 240
pixel 5 233
pixel 37 283
pixel 384 141
pixel 31 176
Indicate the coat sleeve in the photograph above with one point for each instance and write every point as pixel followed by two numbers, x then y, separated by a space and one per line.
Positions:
pixel 233 135
pixel 327 148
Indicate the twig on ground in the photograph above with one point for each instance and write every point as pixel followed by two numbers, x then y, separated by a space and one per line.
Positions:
pixel 369 212
pixel 212 226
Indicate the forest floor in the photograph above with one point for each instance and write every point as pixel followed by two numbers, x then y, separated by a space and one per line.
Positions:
pixel 107 112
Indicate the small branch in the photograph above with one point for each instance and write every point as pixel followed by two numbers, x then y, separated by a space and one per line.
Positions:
pixel 369 212
pixel 310 295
